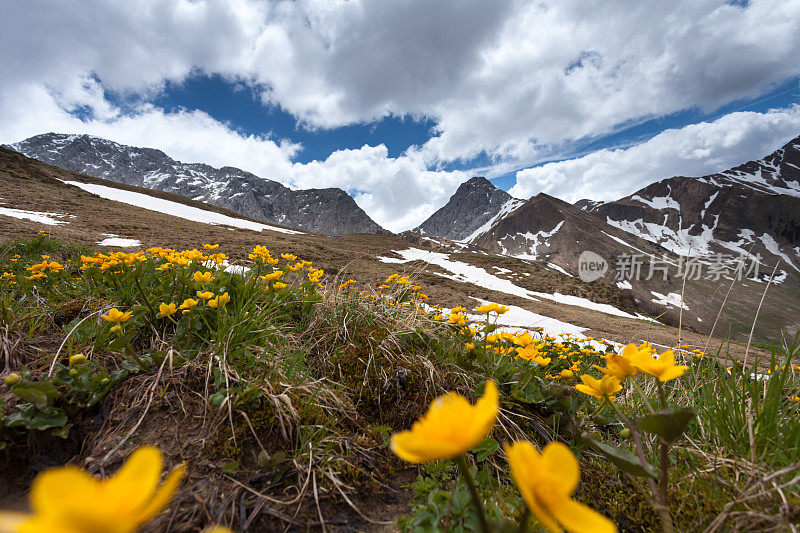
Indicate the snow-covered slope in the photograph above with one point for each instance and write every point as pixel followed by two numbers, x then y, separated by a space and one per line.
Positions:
pixel 752 208
pixel 330 211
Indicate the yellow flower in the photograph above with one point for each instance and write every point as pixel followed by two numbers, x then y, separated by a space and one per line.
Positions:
pixel 220 301
pixel 272 276
pixel 279 285
pixel 68 500
pixel 188 303
pixel 449 428
pixel 531 353
pixel 457 319
pixel 115 315
pixel 211 246
pixel 617 366
pixel 203 277
pixel 289 257
pixel 663 368
pixel 566 373
pixel 166 309
pixel 469 346
pixel 314 274
pixel 547 481
pixel 599 388
pixel 491 308
pixel 205 295
pixel 77 359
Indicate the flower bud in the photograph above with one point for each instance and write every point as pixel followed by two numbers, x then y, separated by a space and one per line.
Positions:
pixel 73 372
pixel 11 379
pixel 625 433
pixel 116 329
pixel 566 373
pixel 77 359
pixel 104 381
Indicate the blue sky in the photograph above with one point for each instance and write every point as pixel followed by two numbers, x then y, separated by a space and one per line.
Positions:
pixel 238 105
pixel 400 102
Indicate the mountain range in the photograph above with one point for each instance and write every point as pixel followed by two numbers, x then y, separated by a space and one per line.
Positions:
pixel 743 224
pixel 330 211
pixel 750 211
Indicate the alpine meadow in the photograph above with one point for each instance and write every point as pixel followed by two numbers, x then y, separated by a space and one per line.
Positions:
pixel 375 266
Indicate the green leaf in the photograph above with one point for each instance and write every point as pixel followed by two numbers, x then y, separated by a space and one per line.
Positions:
pixel 669 424
pixel 485 448
pixel 622 459
pixel 217 398
pixel 230 467
pixel 62 432
pixel 32 395
pixel 53 419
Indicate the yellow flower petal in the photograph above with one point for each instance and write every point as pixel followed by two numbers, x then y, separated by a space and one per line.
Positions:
pixel 61 489
pixel 164 494
pixel 133 486
pixel 558 461
pixel 547 481
pixel 522 459
pixel 449 428
pixel 578 518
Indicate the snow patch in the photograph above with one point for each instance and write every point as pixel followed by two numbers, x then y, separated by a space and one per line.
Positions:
pixel 672 299
pixel 558 268
pixel 465 273
pixel 119 242
pixel 49 219
pixel 176 209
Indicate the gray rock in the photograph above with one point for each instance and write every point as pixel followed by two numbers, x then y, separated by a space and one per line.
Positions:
pixel 474 204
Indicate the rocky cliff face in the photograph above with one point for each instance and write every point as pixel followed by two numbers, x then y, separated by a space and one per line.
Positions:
pixel 755 206
pixel 330 211
pixel 474 206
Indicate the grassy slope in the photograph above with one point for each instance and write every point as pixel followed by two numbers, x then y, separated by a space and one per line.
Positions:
pixel 29 184
pixel 330 386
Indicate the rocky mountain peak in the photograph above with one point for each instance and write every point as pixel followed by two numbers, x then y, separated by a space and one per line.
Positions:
pixel 330 211
pixel 475 204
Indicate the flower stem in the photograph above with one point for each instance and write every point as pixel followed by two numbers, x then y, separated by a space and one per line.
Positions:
pixel 141 292
pixel 643 396
pixel 664 466
pixel 660 502
pixel 461 461
pixel 662 394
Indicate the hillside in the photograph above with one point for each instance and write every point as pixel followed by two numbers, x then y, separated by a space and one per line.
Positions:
pixel 331 211
pixel 736 227
pixel 462 275
pixel 280 380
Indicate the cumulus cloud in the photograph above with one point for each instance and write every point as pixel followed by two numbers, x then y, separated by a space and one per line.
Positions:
pixel 398 193
pixel 514 81
pixel 695 150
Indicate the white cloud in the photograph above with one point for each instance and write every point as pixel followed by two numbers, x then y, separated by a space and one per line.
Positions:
pixel 694 150
pixel 398 193
pixel 504 77
pixel 515 80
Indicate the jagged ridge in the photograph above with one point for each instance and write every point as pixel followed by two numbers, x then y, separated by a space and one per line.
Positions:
pixel 331 211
